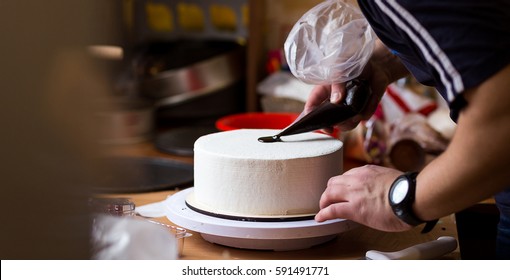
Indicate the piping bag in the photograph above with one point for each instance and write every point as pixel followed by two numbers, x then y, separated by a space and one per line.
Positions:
pixel 331 43
pixel 327 114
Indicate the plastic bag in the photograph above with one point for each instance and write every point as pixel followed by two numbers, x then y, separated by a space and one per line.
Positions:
pixel 331 43
pixel 125 238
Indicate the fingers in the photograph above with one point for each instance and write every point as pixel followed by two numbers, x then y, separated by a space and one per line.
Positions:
pixel 328 130
pixel 335 192
pixel 334 202
pixel 351 123
pixel 334 93
pixel 317 96
pixel 360 195
pixel 342 195
pixel 333 211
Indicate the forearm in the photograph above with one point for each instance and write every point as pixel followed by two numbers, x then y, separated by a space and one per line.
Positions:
pixel 476 164
pixel 388 63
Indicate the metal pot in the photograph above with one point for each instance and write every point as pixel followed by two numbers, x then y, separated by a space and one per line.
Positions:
pixel 203 77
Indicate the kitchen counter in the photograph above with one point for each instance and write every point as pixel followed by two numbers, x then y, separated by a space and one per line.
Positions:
pixel 347 245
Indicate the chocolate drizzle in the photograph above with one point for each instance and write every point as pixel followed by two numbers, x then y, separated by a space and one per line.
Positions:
pixel 270 139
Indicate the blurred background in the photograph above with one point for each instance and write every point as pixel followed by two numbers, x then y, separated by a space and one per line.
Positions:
pixel 49 89
pixel 80 78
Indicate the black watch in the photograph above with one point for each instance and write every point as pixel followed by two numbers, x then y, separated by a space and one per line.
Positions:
pixel 401 196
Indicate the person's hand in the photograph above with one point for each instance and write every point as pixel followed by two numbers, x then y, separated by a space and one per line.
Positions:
pixel 382 69
pixel 335 93
pixel 361 195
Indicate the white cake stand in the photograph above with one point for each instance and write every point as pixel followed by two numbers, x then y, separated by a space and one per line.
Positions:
pixel 277 236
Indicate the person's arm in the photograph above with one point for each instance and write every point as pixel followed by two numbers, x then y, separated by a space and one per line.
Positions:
pixel 474 167
pixel 476 164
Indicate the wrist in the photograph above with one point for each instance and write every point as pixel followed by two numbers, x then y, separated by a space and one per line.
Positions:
pixel 401 197
pixel 389 63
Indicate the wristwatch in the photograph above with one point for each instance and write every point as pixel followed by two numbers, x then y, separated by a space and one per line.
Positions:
pixel 401 197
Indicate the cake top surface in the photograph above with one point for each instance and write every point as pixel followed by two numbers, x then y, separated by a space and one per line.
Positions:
pixel 243 143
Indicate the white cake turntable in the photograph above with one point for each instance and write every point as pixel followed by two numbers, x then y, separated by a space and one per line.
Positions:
pixel 280 234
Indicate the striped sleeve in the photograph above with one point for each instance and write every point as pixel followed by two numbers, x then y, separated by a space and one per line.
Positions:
pixel 451 45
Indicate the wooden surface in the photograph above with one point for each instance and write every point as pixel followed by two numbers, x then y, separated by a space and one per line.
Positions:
pixel 348 245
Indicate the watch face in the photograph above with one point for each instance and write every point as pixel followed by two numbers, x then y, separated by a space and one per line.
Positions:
pixel 399 191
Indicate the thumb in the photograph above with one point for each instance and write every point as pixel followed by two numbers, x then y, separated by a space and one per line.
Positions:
pixel 337 91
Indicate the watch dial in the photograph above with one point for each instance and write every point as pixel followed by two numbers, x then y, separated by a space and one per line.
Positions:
pixel 400 191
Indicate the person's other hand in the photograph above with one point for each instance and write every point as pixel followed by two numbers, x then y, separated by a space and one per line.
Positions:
pixel 361 195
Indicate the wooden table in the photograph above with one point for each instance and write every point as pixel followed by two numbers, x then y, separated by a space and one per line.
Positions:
pixel 348 245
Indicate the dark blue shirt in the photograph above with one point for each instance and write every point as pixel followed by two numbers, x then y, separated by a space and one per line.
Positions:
pixel 450 45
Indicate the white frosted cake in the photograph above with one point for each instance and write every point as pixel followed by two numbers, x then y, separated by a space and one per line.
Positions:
pixel 237 175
